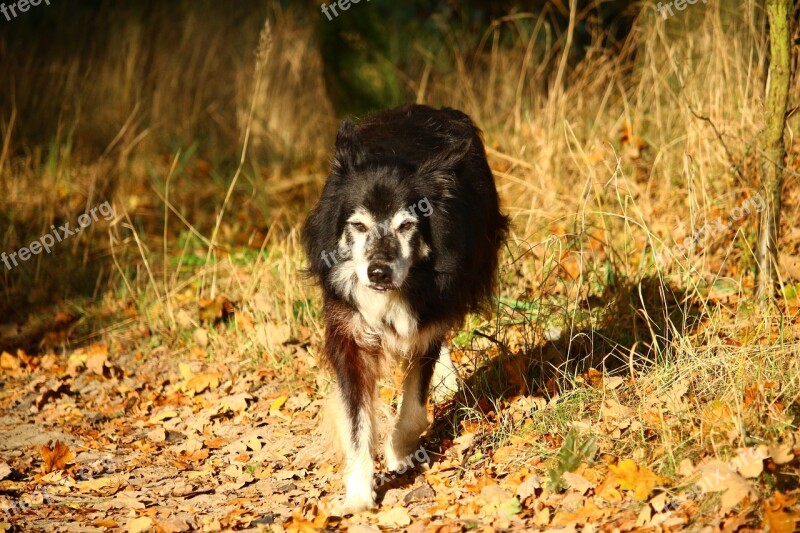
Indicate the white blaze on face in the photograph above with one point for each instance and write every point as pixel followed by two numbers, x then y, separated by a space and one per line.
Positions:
pixel 365 232
pixel 359 227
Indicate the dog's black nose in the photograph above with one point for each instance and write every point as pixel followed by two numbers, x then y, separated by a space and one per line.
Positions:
pixel 380 273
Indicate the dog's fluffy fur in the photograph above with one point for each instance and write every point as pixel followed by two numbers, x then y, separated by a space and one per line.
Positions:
pixel 404 242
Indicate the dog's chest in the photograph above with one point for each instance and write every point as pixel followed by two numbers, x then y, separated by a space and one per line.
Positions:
pixel 389 321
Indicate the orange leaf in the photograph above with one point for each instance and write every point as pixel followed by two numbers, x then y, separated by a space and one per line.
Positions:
pixel 201 382
pixel 298 524
pixel 776 518
pixel 779 521
pixel 56 457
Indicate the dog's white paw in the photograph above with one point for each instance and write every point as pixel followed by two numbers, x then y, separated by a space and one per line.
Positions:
pixel 356 502
pixel 400 456
pixel 393 462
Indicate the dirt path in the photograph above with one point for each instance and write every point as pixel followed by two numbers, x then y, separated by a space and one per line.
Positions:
pixel 91 441
pixel 181 446
pixel 106 439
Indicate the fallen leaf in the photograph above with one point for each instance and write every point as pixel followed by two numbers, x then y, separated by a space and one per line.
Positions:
pixel 776 518
pixel 718 476
pixel 658 502
pixel 644 517
pixel 749 462
pixel 96 362
pixel 235 402
pixel 673 398
pixel 425 492
pixel 56 457
pixel 200 337
pixel 686 468
pixel 186 371
pixel 395 517
pixel 542 518
pixel 577 482
pixel 172 525
pixel 8 362
pixel 528 488
pixel 298 524
pixel 627 475
pixel 108 486
pixel 140 525
pixel 612 382
pixel 277 403
pixel 163 415
pixel 49 394
pixel 201 382
pixel 218 310
pixel 588 514
pixel 782 453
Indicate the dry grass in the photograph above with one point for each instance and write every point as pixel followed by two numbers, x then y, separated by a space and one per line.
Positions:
pixel 602 166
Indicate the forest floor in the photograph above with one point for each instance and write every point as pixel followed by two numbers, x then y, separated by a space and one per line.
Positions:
pixel 140 435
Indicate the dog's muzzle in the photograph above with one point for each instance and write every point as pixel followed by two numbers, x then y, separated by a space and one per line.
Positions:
pixel 380 276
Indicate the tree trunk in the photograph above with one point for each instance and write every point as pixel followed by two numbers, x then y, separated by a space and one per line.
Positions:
pixel 774 150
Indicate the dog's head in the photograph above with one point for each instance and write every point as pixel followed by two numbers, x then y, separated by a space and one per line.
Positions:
pixel 383 243
pixel 372 225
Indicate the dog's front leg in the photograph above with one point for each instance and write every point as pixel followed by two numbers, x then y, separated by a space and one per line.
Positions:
pixel 412 419
pixel 356 390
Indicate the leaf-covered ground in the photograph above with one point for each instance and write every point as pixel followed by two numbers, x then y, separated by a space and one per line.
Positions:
pixel 109 436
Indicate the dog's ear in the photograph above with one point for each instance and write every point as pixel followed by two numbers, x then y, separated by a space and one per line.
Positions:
pixel 349 151
pixel 447 159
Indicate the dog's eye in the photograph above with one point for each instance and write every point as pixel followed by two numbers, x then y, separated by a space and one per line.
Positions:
pixel 359 227
pixel 405 226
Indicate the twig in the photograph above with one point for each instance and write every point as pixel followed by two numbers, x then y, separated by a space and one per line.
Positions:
pixel 728 153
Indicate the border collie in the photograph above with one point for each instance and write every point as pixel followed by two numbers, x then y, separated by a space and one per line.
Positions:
pixel 404 242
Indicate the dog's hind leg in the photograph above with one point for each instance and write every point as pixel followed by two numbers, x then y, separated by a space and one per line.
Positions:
pixel 412 419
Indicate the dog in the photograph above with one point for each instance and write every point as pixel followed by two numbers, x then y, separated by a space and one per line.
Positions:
pixel 404 242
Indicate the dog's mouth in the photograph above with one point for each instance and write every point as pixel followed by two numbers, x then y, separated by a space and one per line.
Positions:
pixel 381 287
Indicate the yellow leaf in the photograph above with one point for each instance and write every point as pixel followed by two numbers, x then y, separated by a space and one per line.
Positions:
pixel 395 517
pixel 639 479
pixel 186 371
pixel 140 525
pixel 277 403
pixel 163 415
pixel 201 382
pixel 95 485
pixel 8 361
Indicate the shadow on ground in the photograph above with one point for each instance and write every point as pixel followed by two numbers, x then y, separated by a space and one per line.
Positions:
pixel 635 325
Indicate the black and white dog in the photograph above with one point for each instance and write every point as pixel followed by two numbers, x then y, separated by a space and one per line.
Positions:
pixel 405 243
